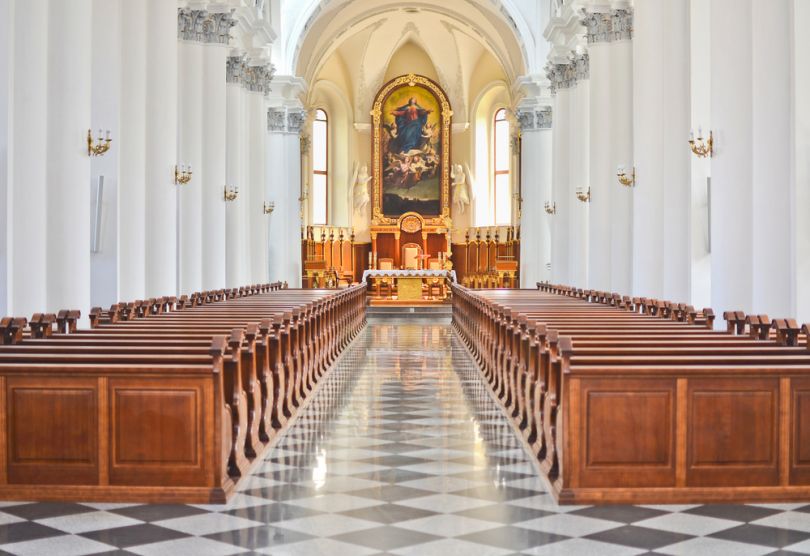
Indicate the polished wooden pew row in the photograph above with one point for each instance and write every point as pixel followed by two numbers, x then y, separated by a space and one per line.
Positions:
pixel 624 406
pixel 167 405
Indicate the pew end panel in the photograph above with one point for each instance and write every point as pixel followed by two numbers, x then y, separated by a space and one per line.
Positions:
pixel 111 433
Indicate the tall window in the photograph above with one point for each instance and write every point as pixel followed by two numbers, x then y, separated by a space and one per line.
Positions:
pixel 320 167
pixel 503 204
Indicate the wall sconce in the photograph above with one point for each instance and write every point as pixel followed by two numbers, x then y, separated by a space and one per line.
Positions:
pixel 627 180
pixel 230 193
pixel 701 147
pixel 268 208
pixel 182 174
pixel 583 195
pixel 551 208
pixel 101 144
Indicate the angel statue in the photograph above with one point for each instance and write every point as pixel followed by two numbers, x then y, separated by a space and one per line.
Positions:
pixel 461 195
pixel 360 193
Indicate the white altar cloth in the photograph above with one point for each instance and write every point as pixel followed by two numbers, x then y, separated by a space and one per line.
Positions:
pixel 409 274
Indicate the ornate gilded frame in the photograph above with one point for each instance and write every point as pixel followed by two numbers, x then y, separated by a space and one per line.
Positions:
pixel 410 80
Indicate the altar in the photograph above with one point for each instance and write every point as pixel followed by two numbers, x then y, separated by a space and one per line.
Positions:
pixel 409 285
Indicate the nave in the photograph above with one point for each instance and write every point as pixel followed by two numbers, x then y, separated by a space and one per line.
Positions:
pixel 400 451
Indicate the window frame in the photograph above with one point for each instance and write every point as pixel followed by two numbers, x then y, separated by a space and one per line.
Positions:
pixel 324 172
pixel 495 171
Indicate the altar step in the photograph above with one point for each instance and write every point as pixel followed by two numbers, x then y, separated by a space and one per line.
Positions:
pixel 393 311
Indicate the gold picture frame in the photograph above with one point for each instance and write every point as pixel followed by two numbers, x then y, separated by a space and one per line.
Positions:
pixel 378 217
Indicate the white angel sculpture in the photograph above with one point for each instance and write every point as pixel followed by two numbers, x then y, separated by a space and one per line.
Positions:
pixel 360 193
pixel 461 194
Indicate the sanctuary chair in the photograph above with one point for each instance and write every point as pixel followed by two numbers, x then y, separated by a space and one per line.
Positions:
pixel 385 284
pixel 410 256
pixel 435 285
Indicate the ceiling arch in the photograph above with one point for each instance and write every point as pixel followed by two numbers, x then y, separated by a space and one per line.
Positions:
pixel 318 27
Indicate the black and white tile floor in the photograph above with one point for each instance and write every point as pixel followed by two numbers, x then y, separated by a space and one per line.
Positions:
pixel 402 452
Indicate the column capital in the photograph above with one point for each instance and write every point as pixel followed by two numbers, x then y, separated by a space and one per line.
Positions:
pixel 561 76
pixel 602 27
pixel 286 119
pixel 204 26
pixel 257 78
pixel 534 118
pixel 582 66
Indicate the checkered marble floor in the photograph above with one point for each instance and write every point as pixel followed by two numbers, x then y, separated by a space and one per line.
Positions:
pixel 401 452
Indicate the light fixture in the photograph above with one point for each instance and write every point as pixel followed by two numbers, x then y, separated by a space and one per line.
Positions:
pixel 101 144
pixel 701 147
pixel 551 208
pixel 182 174
pixel 268 208
pixel 583 195
pixel 230 193
pixel 627 180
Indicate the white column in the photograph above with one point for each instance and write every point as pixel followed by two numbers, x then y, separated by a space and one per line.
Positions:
pixel 276 189
pixel 662 196
pixel 621 144
pixel 283 185
pixel 161 148
pixel 579 160
pixel 6 41
pixel 602 168
pixel 190 244
pixel 131 142
pixel 774 237
pixel 67 163
pixel 801 134
pixel 213 166
pixel 234 255
pixel 258 223
pixel 562 194
pixel 106 112
pixel 752 198
pixel 535 174
pixel 27 198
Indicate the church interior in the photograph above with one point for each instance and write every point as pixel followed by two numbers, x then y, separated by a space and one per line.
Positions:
pixel 370 277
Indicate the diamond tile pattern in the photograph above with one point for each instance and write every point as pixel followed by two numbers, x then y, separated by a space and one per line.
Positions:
pixel 401 451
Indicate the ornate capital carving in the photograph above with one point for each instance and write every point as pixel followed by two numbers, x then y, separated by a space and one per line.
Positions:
pixel 205 27
pixel 561 76
pixel 543 118
pixel 622 25
pixel 582 66
pixel 257 78
pixel 235 69
pixel 295 120
pixel 615 25
pixel 276 120
pixel 525 119
pixel 598 26
pixel 253 78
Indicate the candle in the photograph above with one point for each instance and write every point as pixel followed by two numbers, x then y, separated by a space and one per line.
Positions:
pixel 691 134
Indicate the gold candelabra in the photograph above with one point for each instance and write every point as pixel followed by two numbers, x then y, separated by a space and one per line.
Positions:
pixel 230 193
pixel 268 208
pixel 701 147
pixel 583 194
pixel 551 208
pixel 627 180
pixel 182 174
pixel 100 145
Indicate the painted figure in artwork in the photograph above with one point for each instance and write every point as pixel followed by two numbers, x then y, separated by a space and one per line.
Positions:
pixel 410 120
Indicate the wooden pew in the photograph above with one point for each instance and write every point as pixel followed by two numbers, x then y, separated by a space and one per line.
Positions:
pixel 277 344
pixel 564 364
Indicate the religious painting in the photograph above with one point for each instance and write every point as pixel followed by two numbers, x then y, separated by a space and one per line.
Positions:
pixel 410 150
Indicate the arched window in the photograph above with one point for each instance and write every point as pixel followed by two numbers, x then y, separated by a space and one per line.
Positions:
pixel 320 168
pixel 502 194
